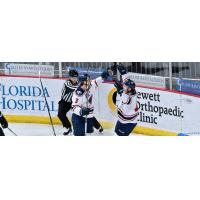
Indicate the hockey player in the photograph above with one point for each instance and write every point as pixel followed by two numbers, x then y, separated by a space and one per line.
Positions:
pixel 82 104
pixel 66 100
pixel 127 105
pixel 3 123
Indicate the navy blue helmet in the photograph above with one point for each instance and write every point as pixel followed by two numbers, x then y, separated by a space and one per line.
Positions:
pixel 85 77
pixel 130 83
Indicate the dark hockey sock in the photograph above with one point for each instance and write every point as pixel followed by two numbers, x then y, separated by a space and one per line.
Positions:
pixel 96 124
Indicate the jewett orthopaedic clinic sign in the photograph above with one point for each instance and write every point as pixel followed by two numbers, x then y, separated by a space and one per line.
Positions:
pixel 152 109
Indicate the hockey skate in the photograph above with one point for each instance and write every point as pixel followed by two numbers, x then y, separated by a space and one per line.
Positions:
pixel 100 130
pixel 67 131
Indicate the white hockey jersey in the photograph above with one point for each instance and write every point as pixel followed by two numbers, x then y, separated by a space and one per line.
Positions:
pixel 127 106
pixel 83 98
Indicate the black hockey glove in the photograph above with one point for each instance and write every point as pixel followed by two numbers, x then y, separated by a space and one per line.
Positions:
pixel 85 111
pixel 119 87
pixel 3 121
pixel 105 75
pixel 122 70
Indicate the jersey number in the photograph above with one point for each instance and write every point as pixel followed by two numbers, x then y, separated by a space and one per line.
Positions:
pixel 76 101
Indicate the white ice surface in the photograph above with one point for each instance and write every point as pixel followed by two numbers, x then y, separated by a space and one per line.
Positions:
pixel 25 129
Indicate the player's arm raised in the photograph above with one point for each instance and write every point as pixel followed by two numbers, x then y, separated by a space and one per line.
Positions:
pixel 123 72
pixel 104 75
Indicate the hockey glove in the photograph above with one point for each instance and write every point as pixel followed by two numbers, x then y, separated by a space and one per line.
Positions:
pixel 3 121
pixel 119 87
pixel 85 111
pixel 122 70
pixel 105 75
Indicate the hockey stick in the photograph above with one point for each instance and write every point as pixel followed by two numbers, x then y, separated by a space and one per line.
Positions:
pixel 12 131
pixel 181 104
pixel 87 92
pixel 47 106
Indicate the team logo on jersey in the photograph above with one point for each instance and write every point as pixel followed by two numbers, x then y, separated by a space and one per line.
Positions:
pixel 78 92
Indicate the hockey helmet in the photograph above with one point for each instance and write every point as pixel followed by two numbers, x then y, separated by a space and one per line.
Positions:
pixel 130 83
pixel 84 77
pixel 73 73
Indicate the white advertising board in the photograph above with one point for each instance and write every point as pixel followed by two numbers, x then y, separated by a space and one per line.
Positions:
pixel 159 109
pixel 29 69
pixel 148 80
pixel 24 96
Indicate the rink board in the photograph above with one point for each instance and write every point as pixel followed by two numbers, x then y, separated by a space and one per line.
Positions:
pixel 162 112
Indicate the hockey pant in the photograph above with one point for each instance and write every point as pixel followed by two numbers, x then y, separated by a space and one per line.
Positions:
pixel 124 129
pixel 79 125
pixel 63 109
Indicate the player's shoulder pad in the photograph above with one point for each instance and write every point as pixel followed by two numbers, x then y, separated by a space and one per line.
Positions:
pixel 79 91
